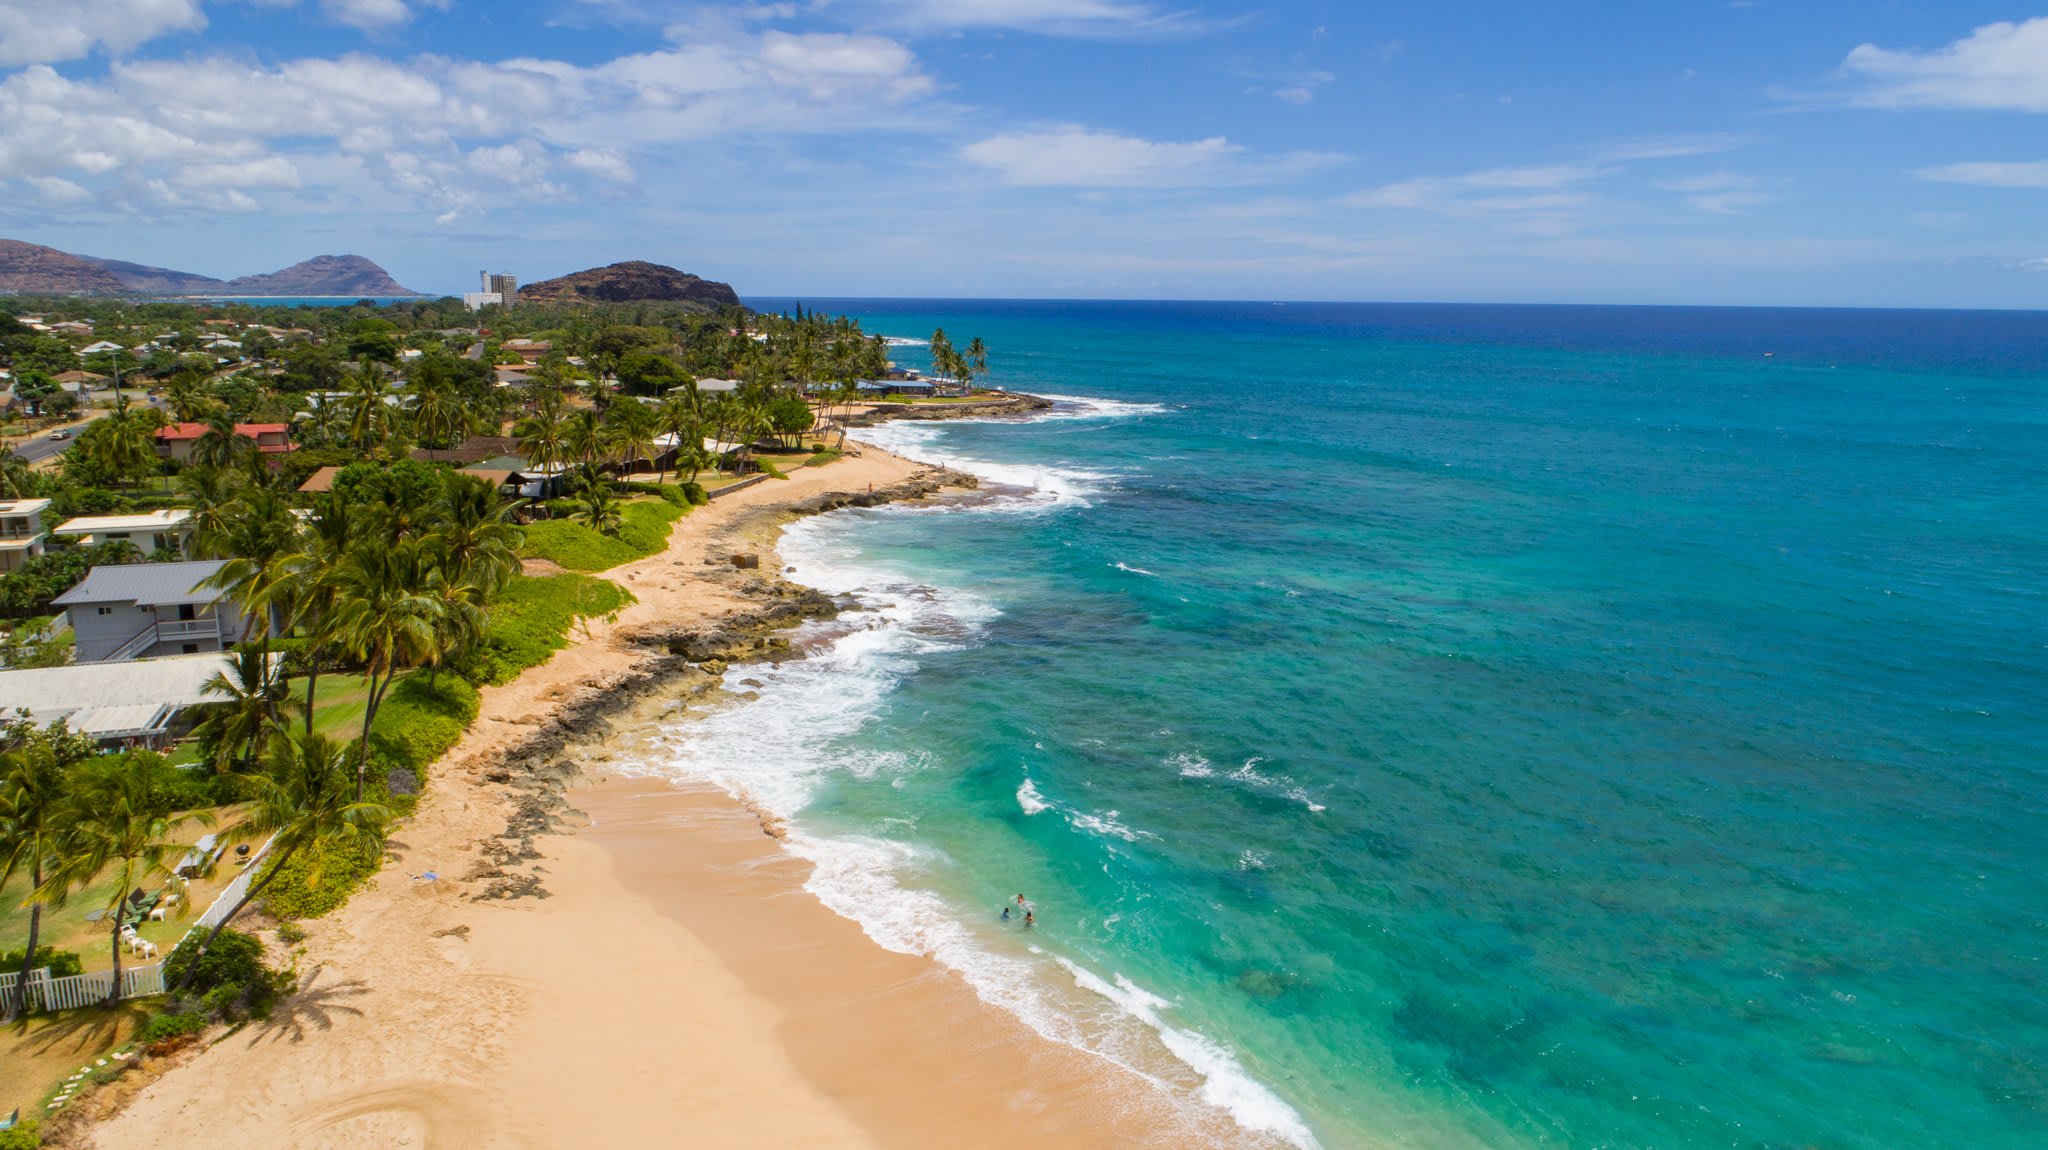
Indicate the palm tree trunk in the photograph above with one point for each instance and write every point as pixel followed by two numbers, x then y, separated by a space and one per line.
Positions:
pixel 312 683
pixel 248 896
pixel 114 991
pixel 35 930
pixel 363 743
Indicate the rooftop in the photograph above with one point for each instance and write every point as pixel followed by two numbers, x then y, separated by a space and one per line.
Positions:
pixel 195 430
pixel 108 699
pixel 22 506
pixel 146 584
pixel 147 521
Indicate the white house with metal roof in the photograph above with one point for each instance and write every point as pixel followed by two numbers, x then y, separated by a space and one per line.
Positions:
pixel 150 531
pixel 139 610
pixel 21 532
pixel 114 702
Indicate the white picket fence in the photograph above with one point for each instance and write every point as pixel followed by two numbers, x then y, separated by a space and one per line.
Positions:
pixel 90 988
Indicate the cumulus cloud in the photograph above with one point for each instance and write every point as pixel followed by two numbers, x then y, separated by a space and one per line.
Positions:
pixel 2032 174
pixel 368 15
pixel 1543 197
pixel 1076 157
pixel 224 133
pixel 50 31
pixel 1998 66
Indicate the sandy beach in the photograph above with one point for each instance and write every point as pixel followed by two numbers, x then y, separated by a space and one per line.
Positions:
pixel 663 981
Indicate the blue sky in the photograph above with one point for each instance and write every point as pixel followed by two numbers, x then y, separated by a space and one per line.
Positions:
pixel 1761 151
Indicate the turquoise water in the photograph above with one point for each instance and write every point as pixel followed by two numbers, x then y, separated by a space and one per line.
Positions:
pixel 1464 727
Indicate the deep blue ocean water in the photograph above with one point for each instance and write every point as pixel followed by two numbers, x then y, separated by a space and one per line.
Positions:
pixel 1463 726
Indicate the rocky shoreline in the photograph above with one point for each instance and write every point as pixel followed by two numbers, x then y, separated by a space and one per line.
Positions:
pixel 675 662
pixel 1005 403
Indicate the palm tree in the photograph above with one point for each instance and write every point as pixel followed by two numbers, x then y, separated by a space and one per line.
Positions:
pixel 221 445
pixel 301 800
pixel 255 699
pixel 258 538
pixel 186 396
pixel 438 414
pixel 310 590
pixel 599 510
pixel 385 612
pixel 584 436
pixel 677 418
pixel 32 783
pixel 17 480
pixel 111 829
pixel 369 416
pixel 124 446
pixel 629 434
pixel 473 539
pixel 974 362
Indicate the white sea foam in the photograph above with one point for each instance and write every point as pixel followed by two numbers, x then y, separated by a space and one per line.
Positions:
pixel 1121 566
pixel 902 341
pixel 778 749
pixel 1030 801
pixel 1225 1085
pixel 1192 765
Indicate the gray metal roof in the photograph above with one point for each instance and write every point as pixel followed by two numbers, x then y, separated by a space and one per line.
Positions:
pixel 145 584
pixel 51 693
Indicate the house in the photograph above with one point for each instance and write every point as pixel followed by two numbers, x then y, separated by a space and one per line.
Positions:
pixel 117 703
pixel 100 346
pixel 474 450
pixel 78 382
pixel 708 387
pixel 138 610
pixel 320 481
pixel 150 531
pixel 21 532
pixel 178 440
pixel 529 351
pixel 72 327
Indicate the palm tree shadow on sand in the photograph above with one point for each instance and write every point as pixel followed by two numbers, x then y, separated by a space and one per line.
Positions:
pixel 309 1006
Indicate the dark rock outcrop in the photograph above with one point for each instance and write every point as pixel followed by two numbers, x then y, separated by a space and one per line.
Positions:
pixel 635 281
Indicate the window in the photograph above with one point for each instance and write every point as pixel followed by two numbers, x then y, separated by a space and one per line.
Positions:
pixel 104 610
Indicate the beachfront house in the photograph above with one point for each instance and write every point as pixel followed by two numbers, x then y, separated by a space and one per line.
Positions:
pixel 146 703
pixel 150 531
pixel 21 532
pixel 141 610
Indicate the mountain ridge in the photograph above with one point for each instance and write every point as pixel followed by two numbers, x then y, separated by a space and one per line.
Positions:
pixel 33 269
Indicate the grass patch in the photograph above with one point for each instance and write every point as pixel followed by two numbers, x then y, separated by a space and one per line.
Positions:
pixel 531 620
pixel 575 547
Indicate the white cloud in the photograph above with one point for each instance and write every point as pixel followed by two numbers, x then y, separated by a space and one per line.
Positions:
pixel 1673 147
pixel 1076 157
pixel 1991 175
pixel 1543 197
pixel 1303 90
pixel 1055 17
pixel 368 15
pixel 2038 265
pixel 1999 66
pixel 49 31
pixel 361 129
pixel 1718 193
pixel 56 190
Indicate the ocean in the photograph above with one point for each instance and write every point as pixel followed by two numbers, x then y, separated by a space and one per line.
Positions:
pixel 1460 726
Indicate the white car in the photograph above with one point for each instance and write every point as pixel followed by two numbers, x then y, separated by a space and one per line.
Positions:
pixel 61 433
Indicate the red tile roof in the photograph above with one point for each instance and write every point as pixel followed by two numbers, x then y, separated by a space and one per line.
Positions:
pixel 195 430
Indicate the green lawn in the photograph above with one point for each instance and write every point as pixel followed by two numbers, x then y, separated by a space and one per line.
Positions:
pixel 575 547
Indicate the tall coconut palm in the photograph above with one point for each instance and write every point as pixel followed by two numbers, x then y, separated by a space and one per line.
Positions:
pixel 385 614
pixel 221 445
pixel 677 419
pixel 331 529
pixel 596 506
pixel 472 536
pixel 438 414
pixel 583 435
pixel 254 699
pixel 302 800
pixel 630 428
pixel 111 829
pixel 369 415
pixel 17 479
pixel 973 362
pixel 32 786
pixel 258 539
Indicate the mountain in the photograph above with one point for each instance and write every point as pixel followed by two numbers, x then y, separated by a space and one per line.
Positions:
pixel 157 281
pixel 31 269
pixel 634 281
pixel 323 275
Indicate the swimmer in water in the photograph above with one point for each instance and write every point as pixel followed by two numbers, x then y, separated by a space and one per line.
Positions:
pixel 1028 920
pixel 1006 914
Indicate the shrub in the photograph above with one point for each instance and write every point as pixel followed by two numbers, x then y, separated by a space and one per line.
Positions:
pixel 26 1136
pixel 165 1026
pixel 62 963
pixel 673 495
pixel 320 878
pixel 822 456
pixel 771 469
pixel 419 721
pixel 530 620
pixel 290 933
pixel 695 493
pixel 230 979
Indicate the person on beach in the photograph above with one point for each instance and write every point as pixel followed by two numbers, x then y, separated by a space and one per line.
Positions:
pixel 1006 913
